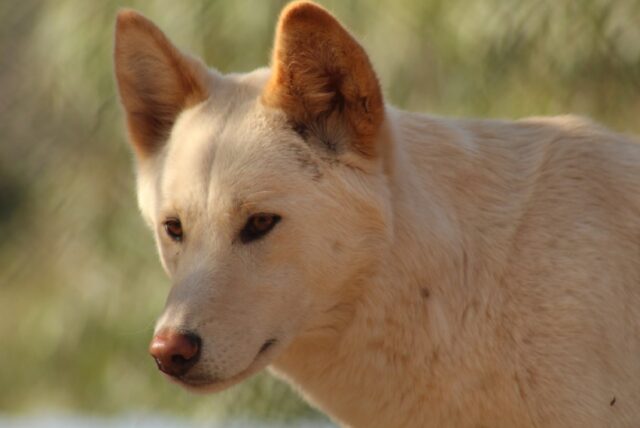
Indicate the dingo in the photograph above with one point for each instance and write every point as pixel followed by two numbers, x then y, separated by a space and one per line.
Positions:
pixel 399 269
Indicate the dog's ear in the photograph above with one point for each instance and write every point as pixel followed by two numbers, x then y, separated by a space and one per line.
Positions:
pixel 322 77
pixel 155 80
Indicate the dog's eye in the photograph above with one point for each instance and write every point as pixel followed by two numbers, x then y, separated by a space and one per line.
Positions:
pixel 173 227
pixel 258 226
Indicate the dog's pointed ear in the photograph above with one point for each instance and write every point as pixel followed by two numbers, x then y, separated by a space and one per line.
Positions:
pixel 320 73
pixel 155 80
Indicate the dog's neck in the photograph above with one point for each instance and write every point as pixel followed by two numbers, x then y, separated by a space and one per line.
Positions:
pixel 378 354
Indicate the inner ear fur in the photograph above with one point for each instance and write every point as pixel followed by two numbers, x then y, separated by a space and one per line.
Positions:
pixel 319 71
pixel 155 80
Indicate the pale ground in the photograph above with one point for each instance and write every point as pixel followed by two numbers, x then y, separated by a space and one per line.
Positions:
pixel 138 421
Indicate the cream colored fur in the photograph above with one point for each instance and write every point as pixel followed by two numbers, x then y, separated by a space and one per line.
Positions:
pixel 475 273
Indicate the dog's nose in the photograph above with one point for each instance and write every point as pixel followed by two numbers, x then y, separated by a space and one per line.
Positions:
pixel 175 352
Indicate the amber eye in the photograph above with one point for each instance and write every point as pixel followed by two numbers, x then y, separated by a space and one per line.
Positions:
pixel 173 227
pixel 258 225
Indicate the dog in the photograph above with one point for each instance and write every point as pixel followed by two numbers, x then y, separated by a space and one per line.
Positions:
pixel 398 269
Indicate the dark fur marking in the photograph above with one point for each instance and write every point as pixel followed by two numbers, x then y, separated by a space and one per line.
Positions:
pixel 301 129
pixel 324 134
pixel 424 292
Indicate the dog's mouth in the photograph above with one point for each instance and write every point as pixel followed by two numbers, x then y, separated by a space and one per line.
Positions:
pixel 204 384
pixel 268 344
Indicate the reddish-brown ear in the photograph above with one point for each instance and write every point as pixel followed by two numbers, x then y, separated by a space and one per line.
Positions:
pixel 321 74
pixel 155 80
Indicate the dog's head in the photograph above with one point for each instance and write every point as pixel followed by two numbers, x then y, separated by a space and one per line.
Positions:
pixel 265 191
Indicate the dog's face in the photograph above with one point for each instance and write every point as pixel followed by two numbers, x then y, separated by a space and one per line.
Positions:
pixel 265 191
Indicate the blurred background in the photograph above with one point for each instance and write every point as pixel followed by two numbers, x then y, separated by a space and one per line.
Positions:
pixel 80 281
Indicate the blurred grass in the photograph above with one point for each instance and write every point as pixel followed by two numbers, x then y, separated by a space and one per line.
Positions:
pixel 80 284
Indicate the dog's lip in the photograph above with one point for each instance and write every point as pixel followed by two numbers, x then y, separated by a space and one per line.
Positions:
pixel 208 384
pixel 265 347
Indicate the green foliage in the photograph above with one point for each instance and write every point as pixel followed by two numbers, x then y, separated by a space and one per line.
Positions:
pixel 80 284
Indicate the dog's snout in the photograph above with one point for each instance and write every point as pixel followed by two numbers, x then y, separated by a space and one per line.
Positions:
pixel 175 352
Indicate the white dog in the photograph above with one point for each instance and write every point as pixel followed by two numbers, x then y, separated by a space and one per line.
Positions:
pixel 399 269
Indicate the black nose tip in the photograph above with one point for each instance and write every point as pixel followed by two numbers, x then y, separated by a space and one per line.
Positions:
pixel 175 352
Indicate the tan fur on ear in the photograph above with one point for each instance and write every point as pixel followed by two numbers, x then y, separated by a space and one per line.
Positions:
pixel 320 70
pixel 155 80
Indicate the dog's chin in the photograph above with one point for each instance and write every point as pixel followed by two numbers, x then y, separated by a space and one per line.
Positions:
pixel 208 384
